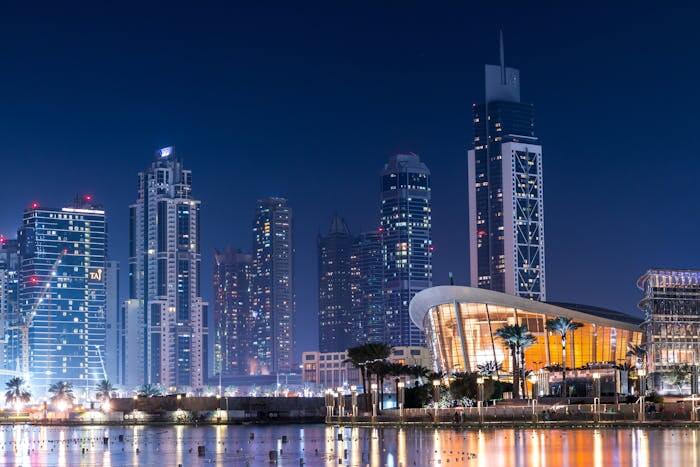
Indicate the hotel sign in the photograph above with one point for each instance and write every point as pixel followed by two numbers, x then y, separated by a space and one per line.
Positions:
pixel 95 274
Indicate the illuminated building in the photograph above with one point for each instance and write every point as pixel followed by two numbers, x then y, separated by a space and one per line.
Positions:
pixel 460 325
pixel 114 326
pixel 335 318
pixel 407 246
pixel 164 282
pixel 506 210
pixel 671 305
pixel 367 269
pixel 10 347
pixel 273 288
pixel 62 295
pixel 329 370
pixel 232 314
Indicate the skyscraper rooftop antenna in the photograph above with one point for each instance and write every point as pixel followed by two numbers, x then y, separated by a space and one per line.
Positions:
pixel 503 59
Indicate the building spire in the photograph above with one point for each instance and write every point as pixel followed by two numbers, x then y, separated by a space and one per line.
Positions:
pixel 503 59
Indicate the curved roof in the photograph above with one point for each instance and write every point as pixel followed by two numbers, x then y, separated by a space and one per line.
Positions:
pixel 429 298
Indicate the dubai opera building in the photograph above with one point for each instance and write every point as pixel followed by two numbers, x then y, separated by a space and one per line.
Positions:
pixel 460 325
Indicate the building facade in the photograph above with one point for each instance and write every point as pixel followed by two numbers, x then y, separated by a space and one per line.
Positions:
pixel 367 286
pixel 460 325
pixel 114 327
pixel 164 282
pixel 273 300
pixel 407 248
pixel 671 306
pixel 336 325
pixel 10 348
pixel 233 319
pixel 506 202
pixel 62 295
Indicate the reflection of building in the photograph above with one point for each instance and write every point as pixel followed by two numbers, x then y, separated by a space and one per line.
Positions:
pixel 62 295
pixel 460 325
pixel 273 288
pixel 331 369
pixel 367 297
pixel 671 304
pixel 506 211
pixel 407 247
pixel 335 315
pixel 164 266
pixel 232 318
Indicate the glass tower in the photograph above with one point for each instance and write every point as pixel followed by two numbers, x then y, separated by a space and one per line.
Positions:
pixel 164 283
pixel 335 317
pixel 367 269
pixel 232 316
pixel 506 206
pixel 407 246
pixel 62 295
pixel 9 304
pixel 273 288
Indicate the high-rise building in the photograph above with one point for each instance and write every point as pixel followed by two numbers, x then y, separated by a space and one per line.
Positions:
pixel 671 306
pixel 335 317
pixel 407 245
pixel 233 320
pixel 506 210
pixel 367 269
pixel 10 347
pixel 164 282
pixel 62 295
pixel 273 288
pixel 114 351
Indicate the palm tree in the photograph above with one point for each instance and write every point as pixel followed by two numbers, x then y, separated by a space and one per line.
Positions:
pixel 149 390
pixel 489 369
pixel 639 353
pixel 419 372
pixel 517 338
pixel 364 355
pixel 104 390
pixel 16 393
pixel 62 391
pixel 563 326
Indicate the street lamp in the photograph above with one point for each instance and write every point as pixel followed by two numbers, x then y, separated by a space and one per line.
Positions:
pixel 436 395
pixel 375 399
pixel 642 373
pixel 400 397
pixel 480 402
pixel 341 402
pixel 353 393
pixel 596 395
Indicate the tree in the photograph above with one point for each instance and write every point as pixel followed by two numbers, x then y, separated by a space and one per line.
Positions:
pixel 16 393
pixel 489 369
pixel 149 390
pixel 563 326
pixel 104 390
pixel 517 338
pixel 364 355
pixel 62 391
pixel 418 372
pixel 639 353
pixel 678 375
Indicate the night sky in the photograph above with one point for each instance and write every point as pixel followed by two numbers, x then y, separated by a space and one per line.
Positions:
pixel 308 102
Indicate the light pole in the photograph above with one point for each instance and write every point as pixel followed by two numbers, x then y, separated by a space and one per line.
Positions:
pixel 341 402
pixel 353 392
pixel 400 397
pixel 436 395
pixel 480 402
pixel 375 399
pixel 642 373
pixel 596 396
pixel 329 404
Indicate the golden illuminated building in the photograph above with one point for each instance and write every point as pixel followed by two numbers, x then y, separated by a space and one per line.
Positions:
pixel 460 325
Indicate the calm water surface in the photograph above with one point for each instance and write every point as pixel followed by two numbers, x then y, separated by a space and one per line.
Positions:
pixel 319 445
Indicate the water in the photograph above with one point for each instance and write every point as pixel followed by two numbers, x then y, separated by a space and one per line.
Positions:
pixel 318 445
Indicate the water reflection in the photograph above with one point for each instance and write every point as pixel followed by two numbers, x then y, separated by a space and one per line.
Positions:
pixel 317 445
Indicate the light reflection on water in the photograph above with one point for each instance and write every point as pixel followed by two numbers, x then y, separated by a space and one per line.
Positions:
pixel 319 445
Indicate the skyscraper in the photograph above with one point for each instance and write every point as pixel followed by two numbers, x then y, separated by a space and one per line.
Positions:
pixel 114 351
pixel 273 288
pixel 9 304
pixel 407 246
pixel 164 283
pixel 335 318
pixel 232 313
pixel 62 295
pixel 506 209
pixel 367 269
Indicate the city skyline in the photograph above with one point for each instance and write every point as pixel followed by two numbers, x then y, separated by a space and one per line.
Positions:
pixel 609 254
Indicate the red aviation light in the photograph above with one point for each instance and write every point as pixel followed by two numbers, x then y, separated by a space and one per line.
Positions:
pixel 34 280
pixel 34 205
pixel 3 239
pixel 87 197
pixel 431 248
